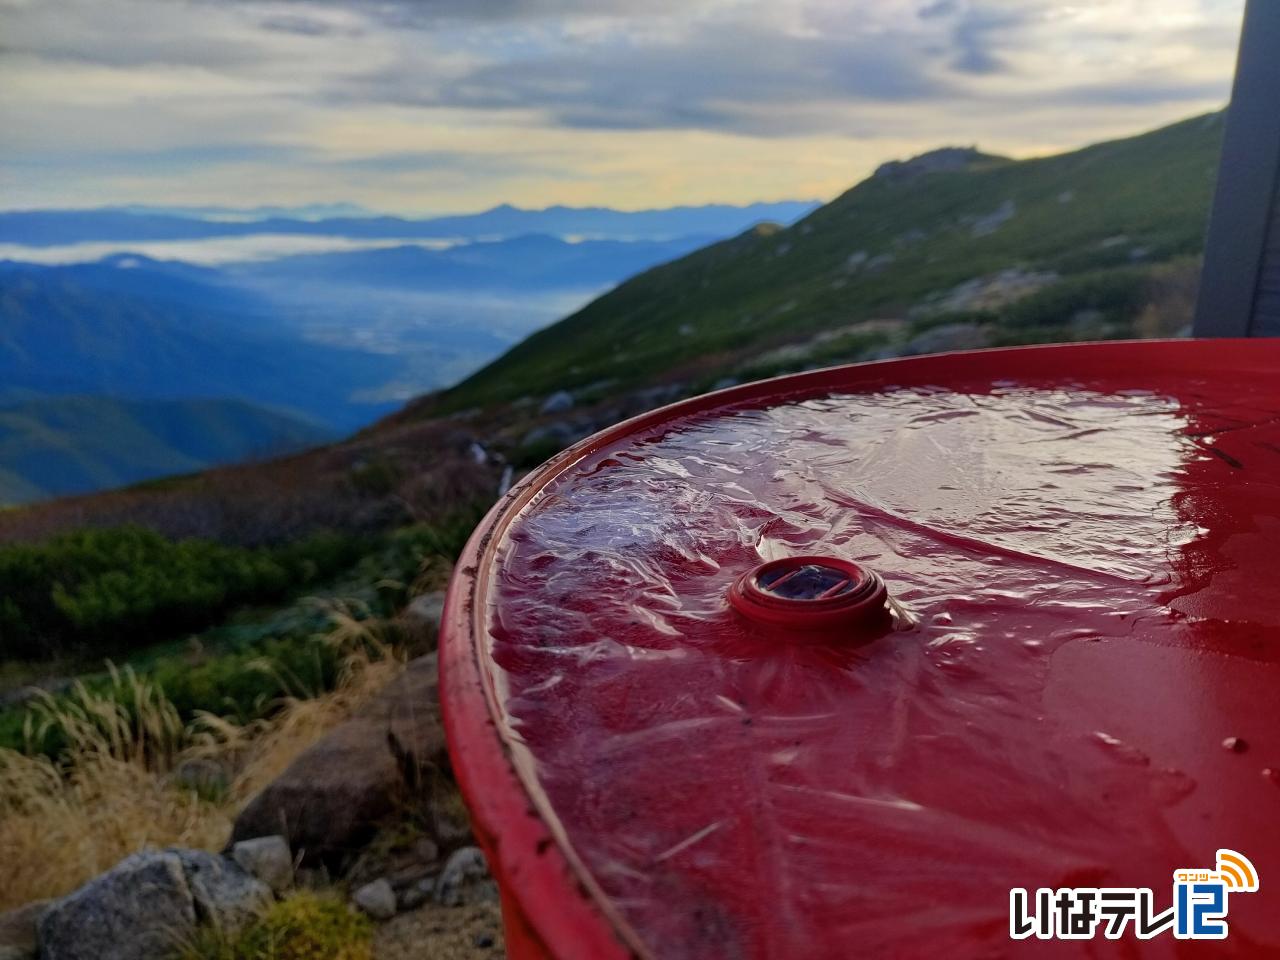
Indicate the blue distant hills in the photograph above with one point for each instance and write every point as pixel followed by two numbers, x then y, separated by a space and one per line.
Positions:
pixel 51 227
pixel 195 337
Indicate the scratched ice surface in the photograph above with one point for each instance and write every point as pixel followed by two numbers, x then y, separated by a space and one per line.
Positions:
pixel 1062 551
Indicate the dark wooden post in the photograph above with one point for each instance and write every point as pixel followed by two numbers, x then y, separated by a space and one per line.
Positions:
pixel 1240 285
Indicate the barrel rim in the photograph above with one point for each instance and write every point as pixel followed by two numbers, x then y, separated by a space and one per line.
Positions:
pixel 540 874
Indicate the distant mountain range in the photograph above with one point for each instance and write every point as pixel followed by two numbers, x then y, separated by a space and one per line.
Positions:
pixel 55 227
pixel 168 332
pixel 532 262
pixel 331 340
pixel 58 446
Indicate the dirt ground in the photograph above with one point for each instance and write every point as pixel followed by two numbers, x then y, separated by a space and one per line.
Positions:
pixel 432 932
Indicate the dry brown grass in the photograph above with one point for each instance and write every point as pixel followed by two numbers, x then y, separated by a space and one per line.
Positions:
pixel 113 790
pixel 64 821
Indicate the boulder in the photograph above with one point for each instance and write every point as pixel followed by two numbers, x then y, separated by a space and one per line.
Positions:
pixel 268 859
pixel 18 931
pixel 147 905
pixel 225 895
pixel 377 899
pixel 328 802
pixel 140 908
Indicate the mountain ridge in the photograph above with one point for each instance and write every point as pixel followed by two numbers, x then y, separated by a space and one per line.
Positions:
pixel 58 227
pixel 889 247
pixel 63 446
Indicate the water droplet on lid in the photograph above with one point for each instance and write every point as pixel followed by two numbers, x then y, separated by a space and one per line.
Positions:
pixel 1033 645
pixel 1235 745
pixel 942 618
pixel 1272 774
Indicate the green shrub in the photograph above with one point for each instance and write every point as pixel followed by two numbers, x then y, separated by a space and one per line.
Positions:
pixel 99 591
pixel 1115 295
pixel 303 926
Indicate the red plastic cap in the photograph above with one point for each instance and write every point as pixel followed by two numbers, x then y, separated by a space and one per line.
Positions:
pixel 813 593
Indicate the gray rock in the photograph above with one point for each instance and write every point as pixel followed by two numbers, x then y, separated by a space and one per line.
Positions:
pixel 558 402
pixel 377 899
pixel 993 221
pixel 426 850
pixel 559 431
pixel 465 879
pixel 328 802
pixel 225 895
pixel 203 776
pixel 141 908
pixel 882 262
pixel 18 931
pixel 414 896
pixel 987 292
pixel 268 859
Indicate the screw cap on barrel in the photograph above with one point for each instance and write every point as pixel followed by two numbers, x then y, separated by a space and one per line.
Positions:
pixel 812 593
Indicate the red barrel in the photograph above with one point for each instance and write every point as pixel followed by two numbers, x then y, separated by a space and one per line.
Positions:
pixel 833 665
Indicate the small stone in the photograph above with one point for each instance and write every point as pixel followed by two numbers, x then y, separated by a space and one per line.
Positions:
pixel 1235 745
pixel 483 940
pixel 207 778
pixel 425 849
pixel 268 859
pixel 408 873
pixel 465 878
pixel 377 899
pixel 558 402
pixel 417 894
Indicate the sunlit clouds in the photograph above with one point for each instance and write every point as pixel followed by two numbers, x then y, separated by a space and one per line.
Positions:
pixel 419 106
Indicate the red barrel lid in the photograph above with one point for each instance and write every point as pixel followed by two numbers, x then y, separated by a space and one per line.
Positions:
pixel 826 666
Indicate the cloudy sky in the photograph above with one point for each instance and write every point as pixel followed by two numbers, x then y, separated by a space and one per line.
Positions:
pixel 419 106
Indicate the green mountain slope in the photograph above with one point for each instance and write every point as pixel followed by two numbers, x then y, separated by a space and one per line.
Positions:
pixel 58 446
pixel 1081 232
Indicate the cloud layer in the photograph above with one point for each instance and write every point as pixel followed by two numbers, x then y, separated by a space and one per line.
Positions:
pixel 453 104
